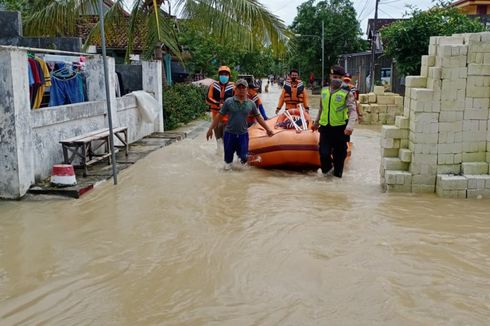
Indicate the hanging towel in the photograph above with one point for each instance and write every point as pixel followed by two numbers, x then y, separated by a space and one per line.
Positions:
pixel 147 105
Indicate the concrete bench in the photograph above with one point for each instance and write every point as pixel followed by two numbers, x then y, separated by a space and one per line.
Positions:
pixel 85 148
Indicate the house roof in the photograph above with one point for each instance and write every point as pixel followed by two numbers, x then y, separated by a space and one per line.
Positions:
pixel 380 22
pixel 110 3
pixel 464 3
pixel 114 39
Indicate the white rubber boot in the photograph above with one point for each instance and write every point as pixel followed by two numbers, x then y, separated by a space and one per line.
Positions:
pixel 227 166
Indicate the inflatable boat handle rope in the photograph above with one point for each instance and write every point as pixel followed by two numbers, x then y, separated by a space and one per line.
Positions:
pixel 288 115
pixel 302 114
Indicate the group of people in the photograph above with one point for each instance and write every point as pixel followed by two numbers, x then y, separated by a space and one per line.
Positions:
pixel 235 107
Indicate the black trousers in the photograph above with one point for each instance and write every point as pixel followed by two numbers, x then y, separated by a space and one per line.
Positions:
pixel 333 149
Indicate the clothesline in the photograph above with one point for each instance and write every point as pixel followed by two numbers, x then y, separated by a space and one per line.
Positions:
pixel 38 50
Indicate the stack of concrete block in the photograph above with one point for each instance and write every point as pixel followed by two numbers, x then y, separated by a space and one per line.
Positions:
pixel 396 157
pixel 476 113
pixel 380 107
pixel 474 183
pixel 451 186
pixel 422 107
pixel 478 179
pixel 447 114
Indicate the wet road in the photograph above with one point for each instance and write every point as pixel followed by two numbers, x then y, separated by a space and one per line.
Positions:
pixel 181 242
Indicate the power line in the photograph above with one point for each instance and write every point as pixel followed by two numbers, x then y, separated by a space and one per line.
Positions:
pixel 285 7
pixel 391 1
pixel 367 15
pixel 384 12
pixel 363 9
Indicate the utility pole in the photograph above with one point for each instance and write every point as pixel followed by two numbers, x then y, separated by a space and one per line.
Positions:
pixel 373 47
pixel 107 92
pixel 323 53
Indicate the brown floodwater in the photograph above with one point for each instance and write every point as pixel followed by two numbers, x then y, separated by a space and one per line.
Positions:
pixel 181 242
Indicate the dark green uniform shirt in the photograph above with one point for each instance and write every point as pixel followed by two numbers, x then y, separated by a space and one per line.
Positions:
pixel 238 114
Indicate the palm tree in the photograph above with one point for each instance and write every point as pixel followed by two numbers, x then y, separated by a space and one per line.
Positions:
pixel 244 21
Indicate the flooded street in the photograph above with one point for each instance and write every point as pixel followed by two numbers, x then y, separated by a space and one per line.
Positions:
pixel 181 242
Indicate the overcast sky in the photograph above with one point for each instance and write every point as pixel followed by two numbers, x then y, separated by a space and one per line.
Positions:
pixel 286 10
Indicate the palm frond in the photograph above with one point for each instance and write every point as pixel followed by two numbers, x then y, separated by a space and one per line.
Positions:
pixel 247 22
pixel 114 21
pixel 56 18
pixel 160 32
pixel 135 20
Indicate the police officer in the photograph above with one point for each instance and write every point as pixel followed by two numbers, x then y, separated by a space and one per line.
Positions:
pixel 335 120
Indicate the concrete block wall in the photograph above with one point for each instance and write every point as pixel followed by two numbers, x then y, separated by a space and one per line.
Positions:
pixel 380 107
pixel 29 139
pixel 446 116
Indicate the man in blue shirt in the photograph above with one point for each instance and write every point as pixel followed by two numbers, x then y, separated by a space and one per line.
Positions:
pixel 235 138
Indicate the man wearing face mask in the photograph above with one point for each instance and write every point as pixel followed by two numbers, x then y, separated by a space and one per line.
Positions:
pixel 293 93
pixel 335 121
pixel 218 92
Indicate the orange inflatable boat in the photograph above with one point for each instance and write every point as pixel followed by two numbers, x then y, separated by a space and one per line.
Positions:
pixel 293 145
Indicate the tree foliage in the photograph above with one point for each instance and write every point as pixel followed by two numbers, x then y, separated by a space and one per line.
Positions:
pixel 407 40
pixel 204 53
pixel 342 34
pixel 184 103
pixel 245 22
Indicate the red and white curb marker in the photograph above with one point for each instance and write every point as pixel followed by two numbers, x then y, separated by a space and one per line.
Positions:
pixel 63 175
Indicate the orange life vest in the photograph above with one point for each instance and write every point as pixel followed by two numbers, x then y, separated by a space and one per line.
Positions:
pixel 217 94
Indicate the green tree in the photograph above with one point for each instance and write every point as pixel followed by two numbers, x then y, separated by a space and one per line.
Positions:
pixel 239 21
pixel 16 5
pixel 204 53
pixel 342 34
pixel 407 40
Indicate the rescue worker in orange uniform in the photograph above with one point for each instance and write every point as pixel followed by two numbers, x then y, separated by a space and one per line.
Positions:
pixel 253 95
pixel 218 92
pixel 293 93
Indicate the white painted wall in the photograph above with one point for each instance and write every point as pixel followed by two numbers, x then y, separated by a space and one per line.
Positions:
pixel 29 139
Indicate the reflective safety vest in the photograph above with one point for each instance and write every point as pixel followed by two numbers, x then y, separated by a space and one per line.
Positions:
pixel 334 108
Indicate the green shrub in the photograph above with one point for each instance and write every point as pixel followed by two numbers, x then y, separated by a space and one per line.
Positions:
pixel 183 103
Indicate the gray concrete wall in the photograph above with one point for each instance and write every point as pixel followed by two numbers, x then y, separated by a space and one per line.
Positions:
pixel 152 83
pixel 11 34
pixel 11 23
pixel 128 115
pixel 29 139
pixel 51 125
pixel 73 44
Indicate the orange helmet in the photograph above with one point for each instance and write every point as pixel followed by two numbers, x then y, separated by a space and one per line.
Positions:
pixel 224 68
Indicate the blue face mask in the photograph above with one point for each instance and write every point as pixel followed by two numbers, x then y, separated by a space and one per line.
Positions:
pixel 223 79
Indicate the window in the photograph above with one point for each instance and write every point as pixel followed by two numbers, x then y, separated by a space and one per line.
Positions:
pixel 386 75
